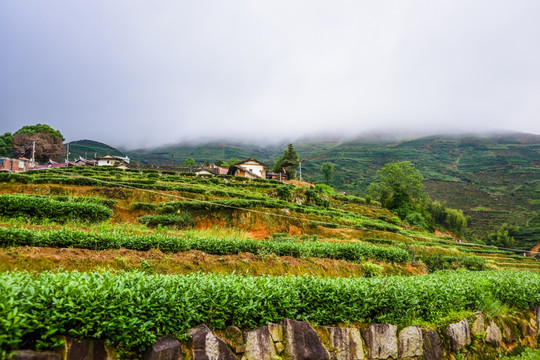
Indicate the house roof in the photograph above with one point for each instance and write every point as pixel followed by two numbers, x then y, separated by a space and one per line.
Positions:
pixel 250 159
pixel 109 157
pixel 239 167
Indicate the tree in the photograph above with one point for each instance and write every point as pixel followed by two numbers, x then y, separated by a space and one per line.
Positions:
pixel 190 162
pixel 230 162
pixel 289 160
pixel 398 186
pixel 328 172
pixel 504 236
pixel 6 144
pixel 49 142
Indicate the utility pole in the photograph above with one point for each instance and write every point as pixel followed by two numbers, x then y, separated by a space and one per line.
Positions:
pixel 33 153
pixel 300 164
pixel 67 153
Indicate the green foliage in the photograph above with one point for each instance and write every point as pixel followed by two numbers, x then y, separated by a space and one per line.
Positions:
pixel 327 170
pixel 504 236
pixel 40 128
pixel 6 144
pixel 41 208
pixel 436 262
pixel 107 240
pixel 527 354
pixel 289 160
pixel 398 186
pixel 284 192
pixel 417 219
pixel 133 309
pixel 232 161
pixel 190 162
pixel 180 221
pixel 324 189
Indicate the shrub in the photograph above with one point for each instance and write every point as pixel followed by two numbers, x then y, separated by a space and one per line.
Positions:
pixel 284 192
pixel 41 208
pixel 182 220
pixel 132 309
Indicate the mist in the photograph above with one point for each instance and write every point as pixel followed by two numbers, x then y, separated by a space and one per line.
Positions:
pixel 142 74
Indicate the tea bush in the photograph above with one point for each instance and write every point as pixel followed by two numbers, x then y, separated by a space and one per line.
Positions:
pixel 41 208
pixel 218 246
pixel 132 309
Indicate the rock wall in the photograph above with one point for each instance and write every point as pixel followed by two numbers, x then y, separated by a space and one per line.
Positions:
pixel 479 337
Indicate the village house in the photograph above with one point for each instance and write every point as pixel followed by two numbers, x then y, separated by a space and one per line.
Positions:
pixel 14 165
pixel 250 168
pixel 110 160
pixel 83 162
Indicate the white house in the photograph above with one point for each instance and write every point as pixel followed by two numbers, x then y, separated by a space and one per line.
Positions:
pixel 250 168
pixel 109 160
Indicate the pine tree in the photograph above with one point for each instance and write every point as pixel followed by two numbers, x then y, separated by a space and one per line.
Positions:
pixel 289 160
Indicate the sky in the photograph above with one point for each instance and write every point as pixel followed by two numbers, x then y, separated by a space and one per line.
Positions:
pixel 147 73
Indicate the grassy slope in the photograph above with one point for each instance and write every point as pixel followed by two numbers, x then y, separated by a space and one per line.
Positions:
pixel 88 148
pixel 356 222
pixel 494 179
pixel 433 298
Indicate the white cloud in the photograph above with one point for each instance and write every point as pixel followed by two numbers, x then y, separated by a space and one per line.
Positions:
pixel 135 73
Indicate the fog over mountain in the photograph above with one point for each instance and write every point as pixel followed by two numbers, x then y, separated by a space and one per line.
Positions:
pixel 139 74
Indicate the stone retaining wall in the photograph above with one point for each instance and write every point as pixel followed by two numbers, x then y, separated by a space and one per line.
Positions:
pixel 479 337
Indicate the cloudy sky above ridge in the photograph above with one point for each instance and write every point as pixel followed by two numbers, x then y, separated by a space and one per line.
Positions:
pixel 141 73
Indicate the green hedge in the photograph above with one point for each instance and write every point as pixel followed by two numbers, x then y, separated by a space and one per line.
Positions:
pixel 219 246
pixel 41 208
pixel 182 220
pixel 132 309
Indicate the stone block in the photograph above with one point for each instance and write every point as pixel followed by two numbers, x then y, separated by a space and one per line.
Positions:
pixel 410 342
pixel 433 349
pixel 381 341
pixel 234 334
pixel 165 348
pixel 87 349
pixel 276 332
pixel 493 334
pixel 207 346
pixel 35 355
pixel 279 347
pixel 478 325
pixel 508 334
pixel 537 315
pixel 345 344
pixel 302 342
pixel 259 345
pixel 459 335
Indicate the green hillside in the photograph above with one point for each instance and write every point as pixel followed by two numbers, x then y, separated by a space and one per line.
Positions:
pixel 157 252
pixel 494 179
pixel 88 149
pixel 201 152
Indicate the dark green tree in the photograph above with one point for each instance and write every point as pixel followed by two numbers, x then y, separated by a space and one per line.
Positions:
pixel 230 162
pixel 6 144
pixel 504 236
pixel 327 170
pixel 398 187
pixel 289 160
pixel 190 162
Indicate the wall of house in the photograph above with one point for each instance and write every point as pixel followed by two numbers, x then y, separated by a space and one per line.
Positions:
pixel 255 168
pixel 13 164
pixel 105 162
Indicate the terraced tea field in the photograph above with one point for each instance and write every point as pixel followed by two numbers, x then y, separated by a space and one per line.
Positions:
pixel 83 235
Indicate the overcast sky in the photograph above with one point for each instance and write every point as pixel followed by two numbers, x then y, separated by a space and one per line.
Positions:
pixel 140 73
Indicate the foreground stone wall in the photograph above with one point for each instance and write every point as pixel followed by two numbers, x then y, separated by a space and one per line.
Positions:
pixel 479 337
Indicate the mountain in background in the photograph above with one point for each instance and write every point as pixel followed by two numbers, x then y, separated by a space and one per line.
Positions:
pixel 89 149
pixel 492 178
